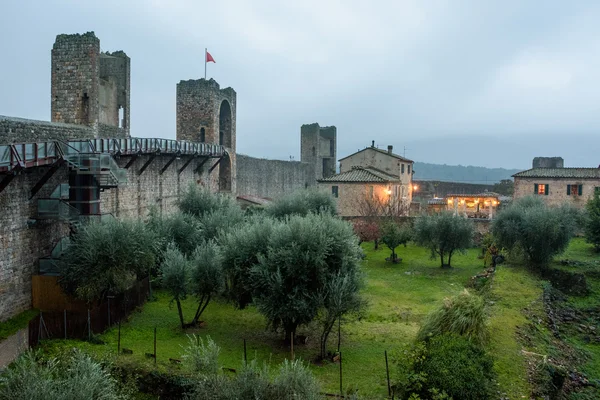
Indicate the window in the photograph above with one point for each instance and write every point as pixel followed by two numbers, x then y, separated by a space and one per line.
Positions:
pixel 541 189
pixel 574 190
pixel 408 168
pixel 334 191
pixel 202 135
pixel 402 169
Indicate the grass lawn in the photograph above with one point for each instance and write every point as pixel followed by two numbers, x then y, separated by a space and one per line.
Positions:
pixel 399 296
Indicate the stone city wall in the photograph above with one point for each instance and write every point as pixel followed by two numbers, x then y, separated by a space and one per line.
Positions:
pixel 271 178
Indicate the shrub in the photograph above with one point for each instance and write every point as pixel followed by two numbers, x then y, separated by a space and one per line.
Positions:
pixel 443 234
pixel 199 201
pixel 295 381
pixel 106 258
pixel 540 232
pixel 592 223
pixel 202 358
pixel 463 315
pixel 448 366
pixel 78 377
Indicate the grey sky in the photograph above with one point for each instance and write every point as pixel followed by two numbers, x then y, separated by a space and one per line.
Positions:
pixel 491 83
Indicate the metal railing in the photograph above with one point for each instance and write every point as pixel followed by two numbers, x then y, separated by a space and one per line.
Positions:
pixel 57 209
pixel 27 155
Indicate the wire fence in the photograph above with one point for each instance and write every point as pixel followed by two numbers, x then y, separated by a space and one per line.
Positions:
pixel 83 324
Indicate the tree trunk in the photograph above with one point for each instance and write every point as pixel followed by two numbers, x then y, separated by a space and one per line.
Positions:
pixel 290 330
pixel 201 307
pixel 324 337
pixel 449 260
pixel 376 244
pixel 180 313
pixel 442 258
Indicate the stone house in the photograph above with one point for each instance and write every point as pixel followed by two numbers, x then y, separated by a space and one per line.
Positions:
pixel 369 179
pixel 556 184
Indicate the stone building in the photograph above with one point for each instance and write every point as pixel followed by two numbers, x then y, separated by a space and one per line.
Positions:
pixel 371 175
pixel 556 184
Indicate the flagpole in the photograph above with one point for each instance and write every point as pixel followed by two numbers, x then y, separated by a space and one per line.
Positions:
pixel 205 50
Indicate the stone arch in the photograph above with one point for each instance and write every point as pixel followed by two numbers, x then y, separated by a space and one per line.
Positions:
pixel 225 124
pixel 225 174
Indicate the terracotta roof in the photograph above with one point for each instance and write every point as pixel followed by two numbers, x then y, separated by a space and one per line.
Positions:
pixel 573 173
pixel 362 174
pixel 381 151
pixel 484 194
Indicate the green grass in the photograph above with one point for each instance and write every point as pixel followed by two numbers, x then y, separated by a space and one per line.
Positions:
pixel 11 326
pixel 399 296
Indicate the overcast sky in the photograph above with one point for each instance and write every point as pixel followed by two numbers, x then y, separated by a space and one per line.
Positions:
pixel 490 83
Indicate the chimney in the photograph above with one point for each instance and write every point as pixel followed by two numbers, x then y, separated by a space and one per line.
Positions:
pixel 372 143
pixel 390 148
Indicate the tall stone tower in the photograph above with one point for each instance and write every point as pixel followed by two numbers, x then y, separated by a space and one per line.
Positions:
pixel 207 113
pixel 318 147
pixel 89 87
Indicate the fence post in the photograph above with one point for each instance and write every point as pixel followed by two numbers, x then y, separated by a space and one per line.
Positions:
pixel 65 320
pixel 119 339
pixel 155 345
pixel 341 389
pixel 245 356
pixel 387 372
pixel 339 332
pixel 89 326
pixel 108 297
pixel 292 344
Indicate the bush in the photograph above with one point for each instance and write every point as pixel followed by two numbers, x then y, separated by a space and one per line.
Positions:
pixel 199 201
pixel 448 366
pixel 76 377
pixel 540 232
pixel 302 203
pixel 202 358
pixel 462 315
pixel 592 223
pixel 295 381
pixel 106 258
pixel 443 234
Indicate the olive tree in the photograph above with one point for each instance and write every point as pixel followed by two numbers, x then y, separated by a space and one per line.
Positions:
pixel 393 235
pixel 107 258
pixel 206 275
pixel 176 273
pixel 539 231
pixel 241 248
pixel 443 234
pixel 302 202
pixel 303 255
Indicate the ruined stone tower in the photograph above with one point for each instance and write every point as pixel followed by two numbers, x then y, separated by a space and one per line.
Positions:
pixel 89 87
pixel 207 113
pixel 318 148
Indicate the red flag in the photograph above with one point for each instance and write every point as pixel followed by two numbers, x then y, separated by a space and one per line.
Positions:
pixel 209 58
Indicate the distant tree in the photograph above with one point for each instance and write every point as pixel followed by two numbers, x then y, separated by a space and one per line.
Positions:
pixel 443 234
pixel 206 276
pixel 505 187
pixel 107 258
pixel 539 231
pixel 592 221
pixel 176 273
pixel 367 231
pixel 304 253
pixel 393 235
pixel 302 202
pixel 241 249
pixel 339 297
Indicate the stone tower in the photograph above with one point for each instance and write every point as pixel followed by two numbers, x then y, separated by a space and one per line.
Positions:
pixel 89 87
pixel 318 147
pixel 207 113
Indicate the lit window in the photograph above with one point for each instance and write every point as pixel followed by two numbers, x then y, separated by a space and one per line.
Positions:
pixel 541 189
pixel 334 191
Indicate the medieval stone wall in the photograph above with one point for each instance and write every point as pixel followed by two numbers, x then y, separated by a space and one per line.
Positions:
pixel 271 178
pixel 18 130
pixel 22 242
